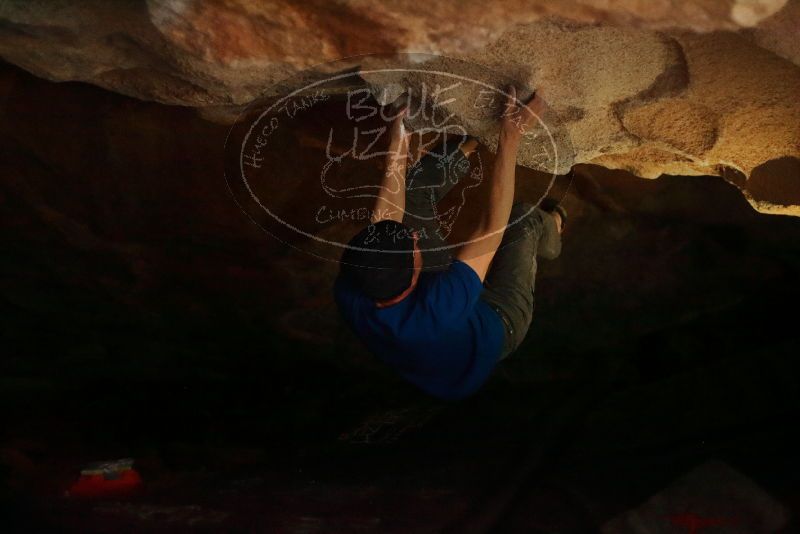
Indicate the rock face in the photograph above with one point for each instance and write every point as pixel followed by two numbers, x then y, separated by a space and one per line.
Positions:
pixel 693 87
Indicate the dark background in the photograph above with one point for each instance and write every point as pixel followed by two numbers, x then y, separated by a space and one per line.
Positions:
pixel 145 316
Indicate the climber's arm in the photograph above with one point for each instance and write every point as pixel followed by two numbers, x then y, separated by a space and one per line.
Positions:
pixel 391 201
pixel 484 241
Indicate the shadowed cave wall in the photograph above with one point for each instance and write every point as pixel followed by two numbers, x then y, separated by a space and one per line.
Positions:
pixel 146 316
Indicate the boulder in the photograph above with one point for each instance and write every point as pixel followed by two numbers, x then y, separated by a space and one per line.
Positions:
pixel 698 87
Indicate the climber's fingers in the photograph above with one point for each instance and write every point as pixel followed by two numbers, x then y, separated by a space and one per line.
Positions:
pixel 518 115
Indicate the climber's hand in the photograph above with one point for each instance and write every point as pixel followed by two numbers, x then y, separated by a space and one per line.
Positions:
pixel 519 118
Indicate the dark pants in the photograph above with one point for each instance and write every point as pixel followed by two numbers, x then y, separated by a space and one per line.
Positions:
pixel 509 284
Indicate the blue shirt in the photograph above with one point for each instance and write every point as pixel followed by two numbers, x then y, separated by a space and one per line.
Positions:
pixel 442 337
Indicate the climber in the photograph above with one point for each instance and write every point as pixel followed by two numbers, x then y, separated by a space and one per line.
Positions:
pixel 444 327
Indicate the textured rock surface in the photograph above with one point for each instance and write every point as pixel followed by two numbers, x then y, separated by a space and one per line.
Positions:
pixel 655 103
pixel 711 492
pixel 201 53
pixel 691 87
